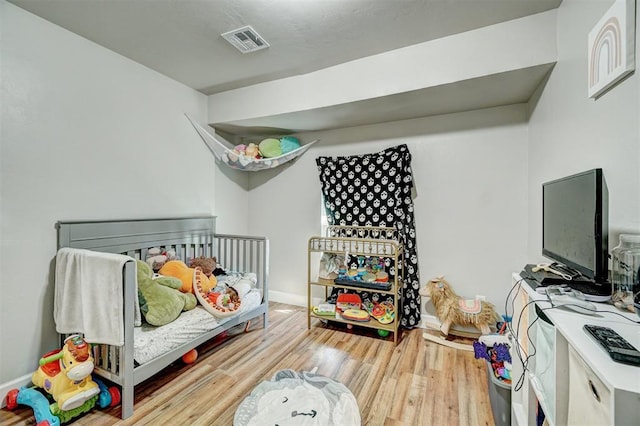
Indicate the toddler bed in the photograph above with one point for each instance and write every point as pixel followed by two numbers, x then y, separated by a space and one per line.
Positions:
pixel 147 349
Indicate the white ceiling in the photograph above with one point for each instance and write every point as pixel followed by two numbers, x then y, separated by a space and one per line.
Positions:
pixel 181 38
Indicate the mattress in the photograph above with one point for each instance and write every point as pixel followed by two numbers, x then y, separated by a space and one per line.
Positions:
pixel 150 342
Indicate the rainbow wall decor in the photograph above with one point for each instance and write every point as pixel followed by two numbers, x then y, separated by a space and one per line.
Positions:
pixel 612 48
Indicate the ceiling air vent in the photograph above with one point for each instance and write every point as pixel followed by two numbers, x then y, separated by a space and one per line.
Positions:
pixel 246 39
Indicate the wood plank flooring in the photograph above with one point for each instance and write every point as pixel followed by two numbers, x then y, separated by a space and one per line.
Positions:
pixel 415 383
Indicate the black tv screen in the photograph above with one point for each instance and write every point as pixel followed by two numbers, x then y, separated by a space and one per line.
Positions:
pixel 575 224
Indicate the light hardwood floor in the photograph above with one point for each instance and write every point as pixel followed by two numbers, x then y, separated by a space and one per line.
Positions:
pixel 415 383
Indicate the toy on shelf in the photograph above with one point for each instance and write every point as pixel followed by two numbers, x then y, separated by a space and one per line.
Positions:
pixel 63 386
pixel 367 270
pixel 454 310
pixel 349 307
pixel 383 312
pixel 342 272
pixel 348 301
pixel 367 274
pixel 325 309
pixel 359 315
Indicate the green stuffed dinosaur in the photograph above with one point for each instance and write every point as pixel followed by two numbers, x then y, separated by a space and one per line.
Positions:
pixel 161 301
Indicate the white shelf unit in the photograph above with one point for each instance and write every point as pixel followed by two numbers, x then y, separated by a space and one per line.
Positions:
pixel 572 378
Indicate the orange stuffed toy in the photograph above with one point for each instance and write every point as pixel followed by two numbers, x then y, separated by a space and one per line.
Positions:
pixel 188 276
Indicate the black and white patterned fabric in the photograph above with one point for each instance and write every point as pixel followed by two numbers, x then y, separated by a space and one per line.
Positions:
pixel 375 190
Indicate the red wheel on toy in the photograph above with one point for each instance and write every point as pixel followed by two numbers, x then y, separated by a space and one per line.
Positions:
pixel 12 399
pixel 115 396
pixel 43 423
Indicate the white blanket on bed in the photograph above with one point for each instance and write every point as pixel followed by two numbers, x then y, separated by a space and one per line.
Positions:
pixel 151 342
pixel 89 295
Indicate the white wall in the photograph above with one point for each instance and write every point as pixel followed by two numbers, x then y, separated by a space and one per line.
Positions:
pixel 570 132
pixel 86 134
pixel 231 199
pixel 470 174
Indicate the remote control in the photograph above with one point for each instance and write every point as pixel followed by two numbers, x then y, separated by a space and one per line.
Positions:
pixel 571 299
pixel 616 346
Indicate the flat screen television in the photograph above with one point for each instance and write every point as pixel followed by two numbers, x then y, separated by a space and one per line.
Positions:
pixel 575 224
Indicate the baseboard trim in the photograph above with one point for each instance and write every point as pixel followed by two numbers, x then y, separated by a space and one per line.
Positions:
pixel 288 298
pixel 14 384
pixel 429 321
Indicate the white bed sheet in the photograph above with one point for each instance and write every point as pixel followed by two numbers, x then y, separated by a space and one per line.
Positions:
pixel 151 342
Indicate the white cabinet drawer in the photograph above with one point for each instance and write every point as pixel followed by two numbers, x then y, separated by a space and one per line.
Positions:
pixel 589 398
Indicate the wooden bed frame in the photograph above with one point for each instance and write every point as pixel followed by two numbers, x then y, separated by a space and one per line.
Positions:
pixel 189 237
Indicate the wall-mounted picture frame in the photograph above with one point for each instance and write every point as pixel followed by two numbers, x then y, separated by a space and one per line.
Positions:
pixel 612 48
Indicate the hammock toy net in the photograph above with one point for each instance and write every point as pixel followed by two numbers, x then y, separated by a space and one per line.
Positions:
pixel 240 162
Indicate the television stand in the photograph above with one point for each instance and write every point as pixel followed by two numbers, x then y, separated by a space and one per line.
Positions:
pixel 566 372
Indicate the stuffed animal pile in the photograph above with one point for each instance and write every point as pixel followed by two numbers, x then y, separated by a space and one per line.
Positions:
pixel 244 152
pixel 156 257
pixel 166 284
pixel 161 301
pixel 176 287
pixel 267 148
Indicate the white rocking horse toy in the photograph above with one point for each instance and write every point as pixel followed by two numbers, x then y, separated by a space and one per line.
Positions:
pixel 452 309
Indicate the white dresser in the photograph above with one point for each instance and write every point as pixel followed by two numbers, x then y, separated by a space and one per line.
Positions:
pixel 567 372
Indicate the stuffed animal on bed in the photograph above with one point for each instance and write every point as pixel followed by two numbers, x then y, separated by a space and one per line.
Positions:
pixel 188 276
pixel 161 301
pixel 207 264
pixel 156 258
